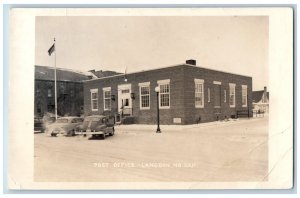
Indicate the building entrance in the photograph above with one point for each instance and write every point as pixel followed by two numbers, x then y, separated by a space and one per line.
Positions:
pixel 124 99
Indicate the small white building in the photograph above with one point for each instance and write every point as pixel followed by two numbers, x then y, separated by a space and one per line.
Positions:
pixel 261 100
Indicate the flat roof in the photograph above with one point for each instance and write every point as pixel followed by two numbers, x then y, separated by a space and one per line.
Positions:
pixel 183 64
pixel 65 75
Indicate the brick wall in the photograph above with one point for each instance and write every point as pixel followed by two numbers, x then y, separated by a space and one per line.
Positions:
pixel 182 94
pixel 148 116
pixel 69 97
pixel 209 112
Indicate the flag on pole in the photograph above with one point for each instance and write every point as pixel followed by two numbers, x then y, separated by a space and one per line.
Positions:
pixel 51 49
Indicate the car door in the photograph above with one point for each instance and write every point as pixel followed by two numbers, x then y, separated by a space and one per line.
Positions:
pixel 72 124
pixel 78 121
pixel 104 122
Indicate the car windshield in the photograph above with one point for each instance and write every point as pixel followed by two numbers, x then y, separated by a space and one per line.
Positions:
pixel 62 121
pixel 51 120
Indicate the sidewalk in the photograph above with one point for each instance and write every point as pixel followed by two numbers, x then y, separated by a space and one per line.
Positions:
pixel 145 127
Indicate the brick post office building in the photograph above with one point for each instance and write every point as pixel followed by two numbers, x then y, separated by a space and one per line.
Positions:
pixel 188 94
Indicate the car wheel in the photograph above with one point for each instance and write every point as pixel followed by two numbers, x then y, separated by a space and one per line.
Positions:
pixel 53 134
pixel 103 136
pixel 72 132
pixel 112 133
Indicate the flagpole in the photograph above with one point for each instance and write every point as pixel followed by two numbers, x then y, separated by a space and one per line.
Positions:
pixel 55 84
pixel 125 78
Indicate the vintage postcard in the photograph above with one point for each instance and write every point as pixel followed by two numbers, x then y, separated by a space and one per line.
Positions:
pixel 165 98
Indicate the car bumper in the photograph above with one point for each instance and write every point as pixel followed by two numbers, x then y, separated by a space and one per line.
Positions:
pixel 89 133
pixel 59 132
pixel 38 130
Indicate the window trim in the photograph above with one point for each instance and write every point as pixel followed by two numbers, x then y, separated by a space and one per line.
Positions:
pixel 208 94
pixel 144 84
pixel 245 87
pixel 225 96
pixel 96 92
pixel 164 82
pixel 217 83
pixel 105 89
pixel 230 86
pixel 201 82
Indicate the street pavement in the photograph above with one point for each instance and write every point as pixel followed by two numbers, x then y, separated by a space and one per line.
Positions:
pixel 216 152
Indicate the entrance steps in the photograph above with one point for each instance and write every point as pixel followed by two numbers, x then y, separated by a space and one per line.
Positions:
pixel 126 120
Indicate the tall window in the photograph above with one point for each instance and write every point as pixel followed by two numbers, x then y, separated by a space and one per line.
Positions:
pixel 231 95
pixel 62 88
pixel 72 93
pixel 199 93
pixel 94 99
pixel 217 94
pixel 49 92
pixel 164 94
pixel 208 95
pixel 244 95
pixel 107 98
pixel 144 95
pixel 225 96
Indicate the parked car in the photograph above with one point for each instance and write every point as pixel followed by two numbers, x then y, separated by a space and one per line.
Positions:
pixel 39 126
pixel 64 125
pixel 42 123
pixel 97 126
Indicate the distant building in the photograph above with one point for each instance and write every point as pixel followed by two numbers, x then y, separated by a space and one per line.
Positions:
pixel 69 91
pixel 101 73
pixel 188 94
pixel 261 100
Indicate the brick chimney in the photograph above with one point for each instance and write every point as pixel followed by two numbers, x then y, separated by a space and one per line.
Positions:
pixel 265 89
pixel 265 94
pixel 191 62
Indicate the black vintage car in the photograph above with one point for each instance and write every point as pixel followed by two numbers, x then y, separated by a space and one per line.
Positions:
pixel 96 126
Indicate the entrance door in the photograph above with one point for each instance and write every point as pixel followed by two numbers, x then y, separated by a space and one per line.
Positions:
pixel 124 99
pixel 125 106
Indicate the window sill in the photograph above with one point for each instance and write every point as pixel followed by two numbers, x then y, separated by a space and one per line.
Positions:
pixel 164 107
pixel 217 107
pixel 199 107
pixel 144 108
pixel 232 106
pixel 94 109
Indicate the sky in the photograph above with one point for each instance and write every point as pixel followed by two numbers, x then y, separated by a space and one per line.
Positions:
pixel 236 44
